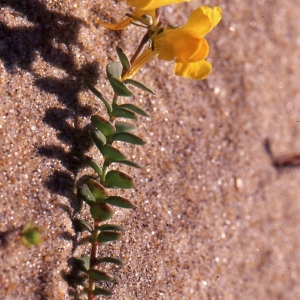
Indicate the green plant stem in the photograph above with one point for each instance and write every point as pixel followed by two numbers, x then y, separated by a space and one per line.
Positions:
pixel 95 243
pixel 141 46
pixel 104 169
pixel 114 102
pixel 93 260
pixel 111 119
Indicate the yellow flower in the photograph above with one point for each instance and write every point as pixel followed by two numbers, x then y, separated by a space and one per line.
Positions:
pixel 185 45
pixel 142 7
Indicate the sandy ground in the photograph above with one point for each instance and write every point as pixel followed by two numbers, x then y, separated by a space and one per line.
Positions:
pixel 215 218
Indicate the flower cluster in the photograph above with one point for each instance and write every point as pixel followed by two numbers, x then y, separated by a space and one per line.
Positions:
pixel 185 45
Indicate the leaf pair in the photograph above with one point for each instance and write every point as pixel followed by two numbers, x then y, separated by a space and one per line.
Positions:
pixel 107 131
pixel 83 263
pixel 114 72
pixel 113 155
pixel 82 225
pixel 96 193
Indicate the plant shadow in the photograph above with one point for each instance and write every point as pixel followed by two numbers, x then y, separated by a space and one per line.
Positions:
pixel 50 37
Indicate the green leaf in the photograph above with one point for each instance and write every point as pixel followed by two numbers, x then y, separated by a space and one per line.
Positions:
pixel 76 279
pixel 129 163
pixel 91 162
pixel 114 69
pixel 31 235
pixel 86 195
pixel 83 263
pixel 99 275
pixel 103 125
pixel 123 113
pixel 98 138
pixel 139 85
pixel 135 109
pixel 123 59
pixel 97 189
pixel 128 138
pixel 108 236
pixel 124 126
pixel 111 227
pixel 116 261
pixel 119 201
pixel 101 97
pixel 112 154
pixel 119 87
pixel 101 212
pixel 118 179
pixel 81 225
pixel 101 292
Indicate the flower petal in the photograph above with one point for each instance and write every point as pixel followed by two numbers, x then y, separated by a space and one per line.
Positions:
pixel 202 20
pixel 152 4
pixel 178 43
pixel 139 62
pixel 202 52
pixel 163 43
pixel 115 26
pixel 197 70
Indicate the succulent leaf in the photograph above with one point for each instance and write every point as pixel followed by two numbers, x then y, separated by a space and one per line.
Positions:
pixel 114 69
pixel 81 225
pixel 101 292
pixel 98 138
pixel 86 195
pixel 83 263
pixel 123 59
pixel 124 126
pixel 120 202
pixel 139 85
pixel 103 125
pixel 91 162
pixel 135 109
pixel 119 87
pixel 130 163
pixel 118 179
pixel 31 235
pixel 116 261
pixel 112 154
pixel 100 96
pixel 111 227
pixel 101 212
pixel 108 236
pixel 99 275
pixel 97 189
pixel 128 138
pixel 123 113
